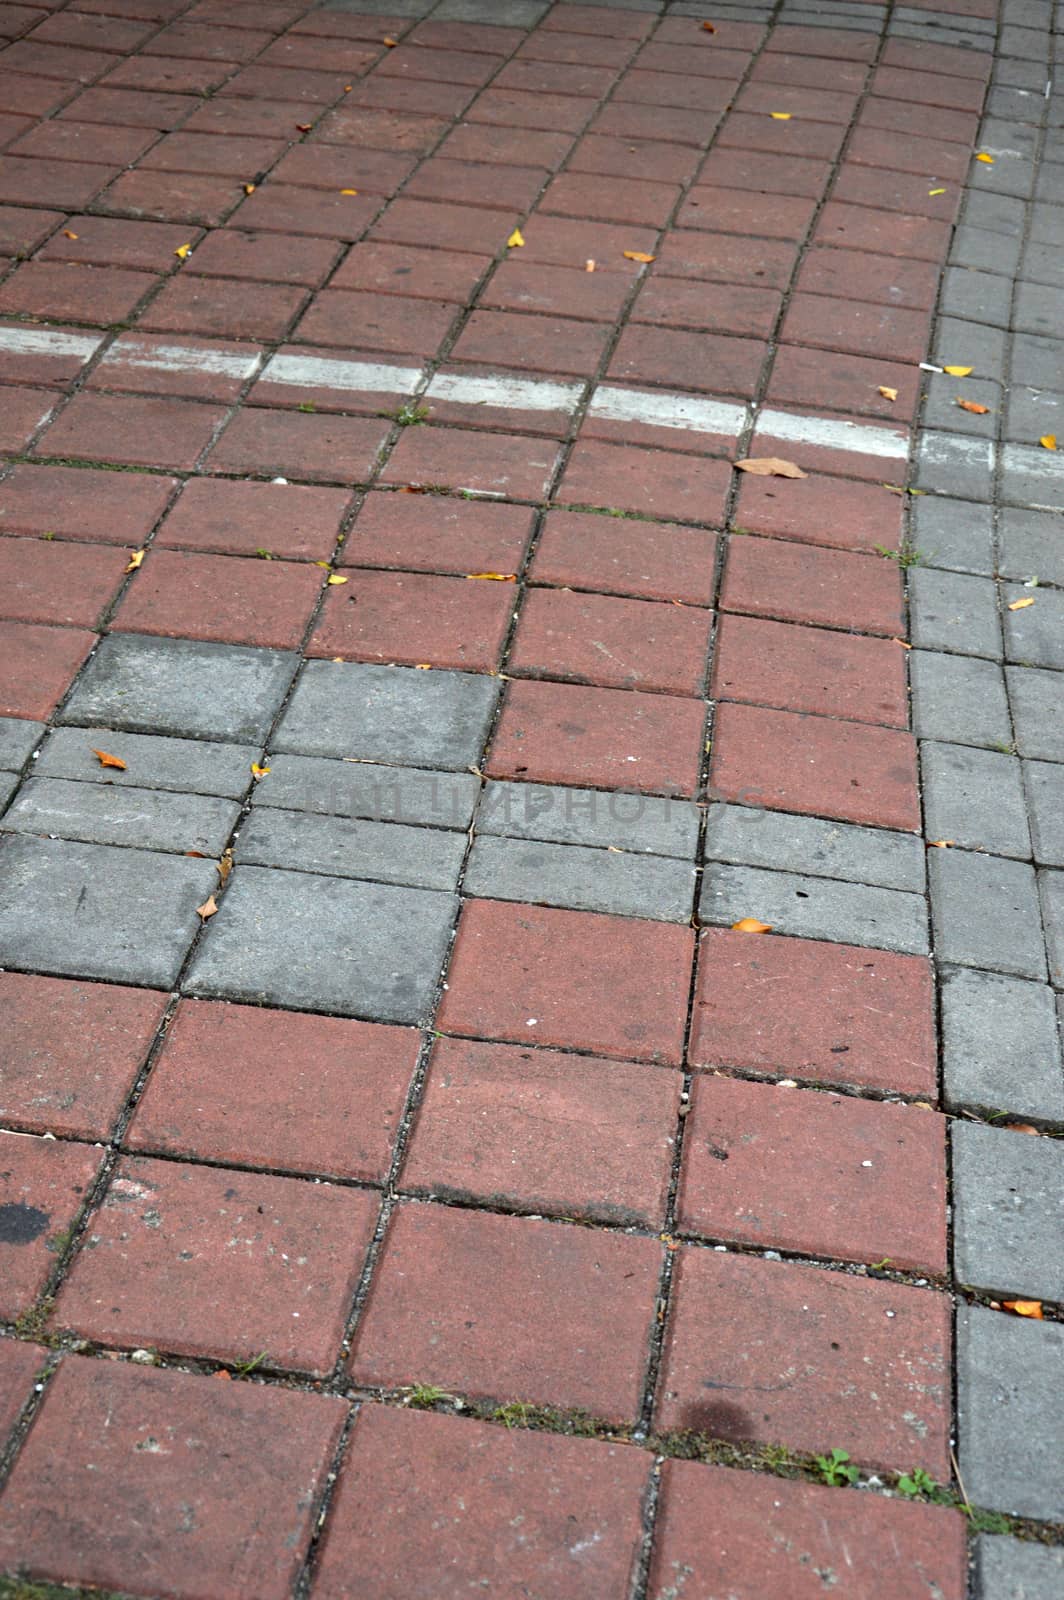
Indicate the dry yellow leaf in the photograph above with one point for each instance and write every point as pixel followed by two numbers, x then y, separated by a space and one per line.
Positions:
pixel 770 467
pixel 258 772
pixel 637 255
pixel 225 866
pixel 495 577
pixel 935 191
pixel 1021 605
pixel 958 372
pixel 982 156
pixel 422 666
pixel 391 43
pixel 903 642
pixel 348 191
pixel 888 394
pixel 1048 441
pixel 751 925
pixel 208 908
pixel 183 251
pixel 941 844
pixel 321 563
pixel 67 234
pixel 973 406
pixel 249 188
pixel 135 559
pixel 780 116
pixel 516 240
pixel 589 266
pixel 1025 1308
pixel 106 760
pixel 334 578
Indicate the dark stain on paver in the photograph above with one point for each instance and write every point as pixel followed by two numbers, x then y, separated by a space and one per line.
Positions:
pixel 22 1224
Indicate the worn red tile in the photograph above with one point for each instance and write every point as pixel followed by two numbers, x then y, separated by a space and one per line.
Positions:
pixel 477 395
pixel 936 122
pixel 63 62
pixel 140 432
pixel 23 228
pixel 234 156
pixel 215 514
pixel 441 35
pixel 496 1307
pixel 791 761
pixel 648 560
pixel 612 642
pixel 543 1131
pixel 316 378
pixel 905 192
pixel 397 269
pixel 421 95
pixel 190 596
pixel 288 208
pixel 674 90
pixel 264 257
pixel 827 381
pixel 19 1365
pixel 890 333
pixel 229 1477
pixel 482 141
pixel 21 414
pixel 515 108
pixel 412 618
pixel 351 318
pixel 309 88
pixel 716 308
pixel 318 55
pixel 611 199
pixel 625 478
pixel 378 128
pixel 561 1515
pixel 819 105
pixel 566 242
pixel 832 588
pixel 624 119
pixel 888 233
pixel 819 670
pixel 650 160
pixel 299 445
pixel 531 343
pixel 322 166
pixel 49 1085
pixel 751 1536
pixel 37 665
pixel 118 242
pixel 73 293
pixel 450 181
pixel 477 229
pixel 581 19
pixel 197 41
pixel 169 75
pixel 535 974
pixel 79 503
pixel 209 1262
pixel 555 77
pixel 815 1357
pixel 295 1093
pixel 820 510
pixel 835 45
pixel 854 274
pixel 61 140
pixel 733 211
pixel 172 197
pixel 132 108
pixel 434 533
pixel 558 291
pixel 51 581
pixel 823 1013
pixel 689 361
pixel 880 1190
pixel 918 55
pixel 794 136
pixel 259 118
pixel 934 160
pixel 44 1183
pixel 665 54
pixel 766 173
pixel 496 463
pixel 69 184
pixel 223 307
pixel 723 258
pixel 606 738
pixel 193 368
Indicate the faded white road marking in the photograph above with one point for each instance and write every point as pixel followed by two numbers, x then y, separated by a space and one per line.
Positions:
pixel 516 394
pixel 689 411
pixel 318 372
pixel 833 433
pixel 49 342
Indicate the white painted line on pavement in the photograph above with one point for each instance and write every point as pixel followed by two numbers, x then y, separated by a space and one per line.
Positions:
pixel 49 342
pixel 318 372
pixel 132 352
pixel 688 411
pixel 832 433
pixel 516 394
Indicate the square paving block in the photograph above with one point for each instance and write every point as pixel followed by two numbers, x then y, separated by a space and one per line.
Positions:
pixel 44 1183
pixel 1008 1206
pixel 325 944
pixel 183 687
pixel 395 714
pixel 93 911
pixel 1010 1412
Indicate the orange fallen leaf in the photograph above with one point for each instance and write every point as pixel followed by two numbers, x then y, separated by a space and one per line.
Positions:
pixel 888 394
pixel 183 251
pixel 258 772
pixel 958 372
pixel 110 761
pixel 973 406
pixel 589 266
pixel 208 908
pixel 335 578
pixel 226 1377
pixel 751 925
pixel 495 577
pixel 708 27
pixel 637 255
pixel 135 559
pixel 982 156
pixel 770 467
pixel 1021 605
pixel 391 43
pixel 67 234
pixel 1025 1308
pixel 419 666
pixel 304 127
pixel 249 188
pixel 1020 1127
pixel 348 87
pixel 904 643
pixel 516 240
pixel 348 191
pixel 941 844
pixel 1048 441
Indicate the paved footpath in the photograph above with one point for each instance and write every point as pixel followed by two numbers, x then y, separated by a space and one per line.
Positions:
pixel 417 1179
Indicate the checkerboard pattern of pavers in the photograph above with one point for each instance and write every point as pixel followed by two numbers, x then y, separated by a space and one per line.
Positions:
pixel 415 1178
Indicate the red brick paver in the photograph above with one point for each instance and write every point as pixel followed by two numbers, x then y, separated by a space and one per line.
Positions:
pixel 43 1186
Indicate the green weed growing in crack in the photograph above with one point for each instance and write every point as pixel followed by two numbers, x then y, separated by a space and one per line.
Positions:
pixel 410 415
pixel 423 1396
pixel 919 1485
pixel 906 555
pixel 837 1468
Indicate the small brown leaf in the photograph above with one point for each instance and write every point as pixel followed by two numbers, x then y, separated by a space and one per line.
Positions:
pixel 106 760
pixel 637 255
pixel 1020 1127
pixel 304 127
pixel 197 853
pixel 391 43
pixel 135 559
pixel 224 867
pixel 708 27
pixel 973 406
pixel 67 234
pixel 888 394
pixel 751 925
pixel 903 642
pixel 208 908
pixel 1025 1308
pixel 770 467
pixel 494 577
